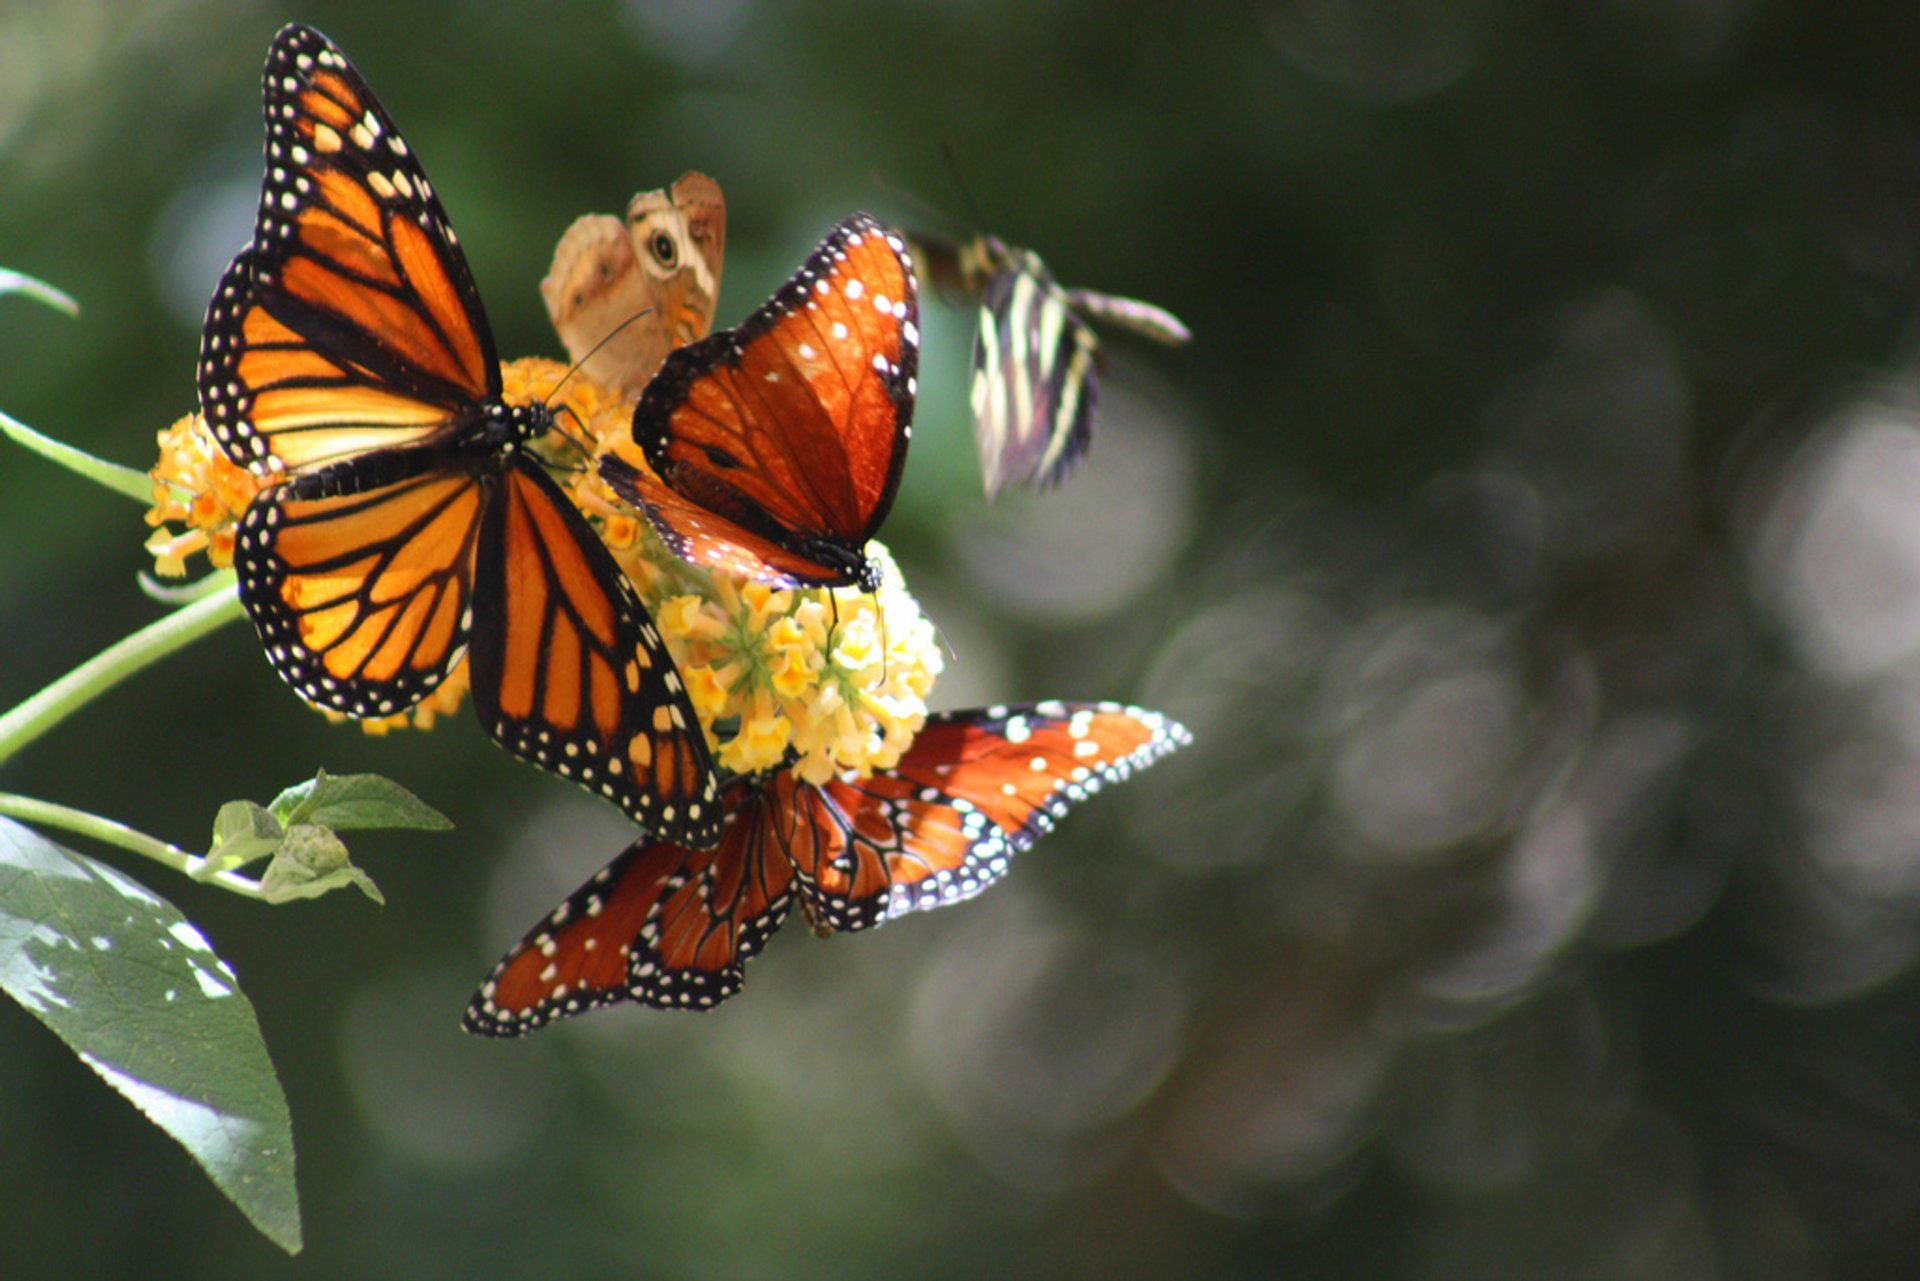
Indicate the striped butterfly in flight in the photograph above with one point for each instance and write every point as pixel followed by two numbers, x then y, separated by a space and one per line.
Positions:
pixel 773 451
pixel 673 927
pixel 346 354
pixel 1035 356
pixel 622 294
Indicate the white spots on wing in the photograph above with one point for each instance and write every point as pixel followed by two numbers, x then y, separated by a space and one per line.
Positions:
pixel 839 332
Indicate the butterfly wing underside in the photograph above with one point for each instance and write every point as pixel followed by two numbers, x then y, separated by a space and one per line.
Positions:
pixel 663 924
pixel 621 294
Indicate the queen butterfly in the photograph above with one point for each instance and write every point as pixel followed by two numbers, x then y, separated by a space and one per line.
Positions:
pixel 671 926
pixel 773 451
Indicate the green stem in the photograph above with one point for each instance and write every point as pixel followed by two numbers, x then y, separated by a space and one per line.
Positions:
pixel 112 665
pixel 136 485
pixel 108 832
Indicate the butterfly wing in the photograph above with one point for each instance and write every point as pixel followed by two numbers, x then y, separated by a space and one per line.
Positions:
pixel 973 790
pixel 623 294
pixel 570 673
pixel 1034 386
pixel 351 323
pixel 662 924
pixel 779 445
pixel 361 597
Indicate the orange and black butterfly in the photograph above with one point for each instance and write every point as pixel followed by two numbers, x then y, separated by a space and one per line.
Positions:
pixel 622 294
pixel 1035 357
pixel 773 451
pixel 347 353
pixel 672 927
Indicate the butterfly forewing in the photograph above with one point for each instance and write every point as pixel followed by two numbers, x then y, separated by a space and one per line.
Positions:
pixel 351 322
pixel 577 958
pixel 781 443
pixel 571 674
pixel 978 787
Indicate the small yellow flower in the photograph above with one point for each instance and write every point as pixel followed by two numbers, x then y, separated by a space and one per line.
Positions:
pixel 195 484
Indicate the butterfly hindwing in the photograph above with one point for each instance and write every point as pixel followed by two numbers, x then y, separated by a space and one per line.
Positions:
pixel 663 924
pixel 570 673
pixel 777 447
pixel 361 598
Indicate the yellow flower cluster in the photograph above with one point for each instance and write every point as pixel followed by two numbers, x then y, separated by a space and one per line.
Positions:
pixel 839 679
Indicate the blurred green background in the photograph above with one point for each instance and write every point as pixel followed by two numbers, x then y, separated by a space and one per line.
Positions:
pixel 1529 536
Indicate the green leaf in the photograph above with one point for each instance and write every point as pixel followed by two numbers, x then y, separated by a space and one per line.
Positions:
pixel 311 861
pixel 136 485
pixel 134 989
pixel 348 801
pixel 14 282
pixel 242 832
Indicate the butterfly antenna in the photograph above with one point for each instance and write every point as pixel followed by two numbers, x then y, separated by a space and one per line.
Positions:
pixel 953 167
pixel 592 352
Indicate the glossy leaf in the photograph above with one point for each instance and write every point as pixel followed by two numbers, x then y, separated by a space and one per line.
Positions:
pixel 137 992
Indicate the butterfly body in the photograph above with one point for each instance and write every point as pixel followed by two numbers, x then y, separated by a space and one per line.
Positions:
pixel 774 450
pixel 346 354
pixel 670 926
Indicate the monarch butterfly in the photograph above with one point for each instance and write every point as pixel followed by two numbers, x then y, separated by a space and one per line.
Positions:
pixel 623 294
pixel 671 926
pixel 1035 357
pixel 346 351
pixel 773 451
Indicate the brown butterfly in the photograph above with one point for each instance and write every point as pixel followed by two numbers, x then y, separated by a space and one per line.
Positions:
pixel 623 294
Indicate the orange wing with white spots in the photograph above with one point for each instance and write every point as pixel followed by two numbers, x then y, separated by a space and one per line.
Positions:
pixel 570 673
pixel 663 924
pixel 974 789
pixel 775 449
